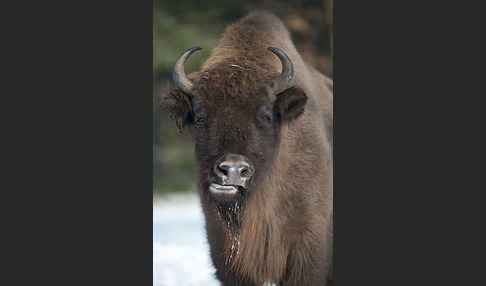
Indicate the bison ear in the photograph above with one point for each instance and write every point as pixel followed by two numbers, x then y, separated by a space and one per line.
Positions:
pixel 291 103
pixel 178 105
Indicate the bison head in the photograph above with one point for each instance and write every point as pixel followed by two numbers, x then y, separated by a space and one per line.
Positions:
pixel 235 110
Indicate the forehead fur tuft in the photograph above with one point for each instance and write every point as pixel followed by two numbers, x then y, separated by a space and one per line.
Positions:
pixel 241 81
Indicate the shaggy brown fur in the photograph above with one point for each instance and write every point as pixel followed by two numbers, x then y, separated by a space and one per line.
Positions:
pixel 281 231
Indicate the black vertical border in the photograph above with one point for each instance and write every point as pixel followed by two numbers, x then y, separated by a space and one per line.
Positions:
pixel 78 192
pixel 407 148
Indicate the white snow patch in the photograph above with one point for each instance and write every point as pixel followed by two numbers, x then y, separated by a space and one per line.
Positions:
pixel 180 248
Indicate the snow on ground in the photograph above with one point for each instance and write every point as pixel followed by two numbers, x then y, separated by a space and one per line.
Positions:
pixel 180 250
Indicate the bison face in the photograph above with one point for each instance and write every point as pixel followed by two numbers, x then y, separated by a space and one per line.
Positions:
pixel 235 115
pixel 234 147
pixel 236 139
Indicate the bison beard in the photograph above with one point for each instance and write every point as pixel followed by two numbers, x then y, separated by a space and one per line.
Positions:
pixel 246 109
pixel 231 211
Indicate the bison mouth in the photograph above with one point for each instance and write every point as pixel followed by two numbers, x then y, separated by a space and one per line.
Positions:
pixel 221 193
pixel 227 193
pixel 217 189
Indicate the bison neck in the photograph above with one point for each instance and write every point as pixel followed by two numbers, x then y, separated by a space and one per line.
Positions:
pixel 261 252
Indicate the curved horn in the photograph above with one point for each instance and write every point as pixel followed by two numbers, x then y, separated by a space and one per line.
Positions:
pixel 284 80
pixel 178 75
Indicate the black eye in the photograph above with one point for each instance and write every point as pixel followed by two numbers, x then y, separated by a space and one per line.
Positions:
pixel 265 115
pixel 200 122
pixel 266 118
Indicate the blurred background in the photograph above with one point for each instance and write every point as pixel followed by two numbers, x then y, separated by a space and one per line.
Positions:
pixel 179 25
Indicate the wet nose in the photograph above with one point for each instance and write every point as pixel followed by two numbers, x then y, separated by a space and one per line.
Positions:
pixel 234 170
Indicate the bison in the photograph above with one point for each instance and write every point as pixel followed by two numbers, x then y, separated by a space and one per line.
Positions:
pixel 262 122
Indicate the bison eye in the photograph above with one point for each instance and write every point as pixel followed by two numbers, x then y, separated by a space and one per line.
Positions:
pixel 266 118
pixel 200 122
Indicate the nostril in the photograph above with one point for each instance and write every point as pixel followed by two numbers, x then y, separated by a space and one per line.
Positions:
pixel 244 171
pixel 223 168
